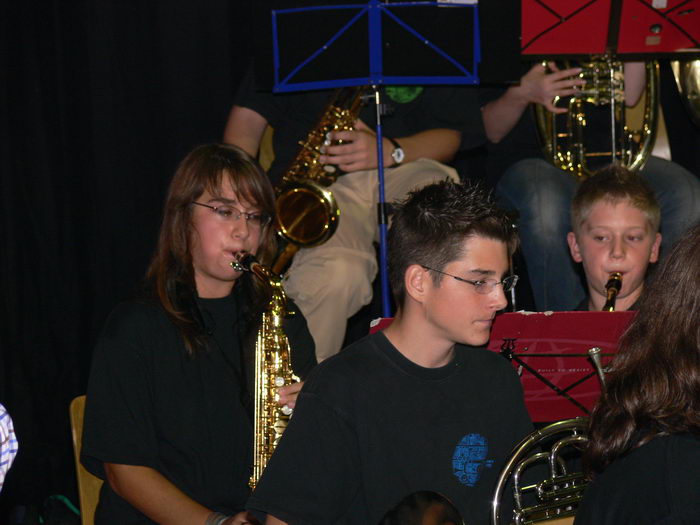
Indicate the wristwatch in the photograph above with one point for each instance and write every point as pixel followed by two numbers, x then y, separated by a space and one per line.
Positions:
pixel 398 154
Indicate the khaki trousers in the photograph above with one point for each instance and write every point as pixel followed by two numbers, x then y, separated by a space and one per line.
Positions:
pixel 331 282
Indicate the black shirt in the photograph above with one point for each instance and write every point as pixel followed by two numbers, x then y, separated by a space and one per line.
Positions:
pixel 412 109
pixel 655 484
pixel 371 427
pixel 150 403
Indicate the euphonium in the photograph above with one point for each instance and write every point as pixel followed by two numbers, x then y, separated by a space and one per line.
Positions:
pixel 306 212
pixel 687 75
pixel 568 146
pixel 612 288
pixel 272 369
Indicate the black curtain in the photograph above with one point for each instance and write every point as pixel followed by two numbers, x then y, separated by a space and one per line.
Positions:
pixel 100 100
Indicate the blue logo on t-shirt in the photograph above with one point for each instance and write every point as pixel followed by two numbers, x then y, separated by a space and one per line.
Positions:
pixel 469 459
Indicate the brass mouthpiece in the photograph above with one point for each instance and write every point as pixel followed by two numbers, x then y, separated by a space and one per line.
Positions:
pixel 612 288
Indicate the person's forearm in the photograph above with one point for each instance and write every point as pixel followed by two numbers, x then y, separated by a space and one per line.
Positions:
pixel 271 520
pixel 437 144
pixel 501 115
pixel 154 495
pixel 635 82
pixel 245 129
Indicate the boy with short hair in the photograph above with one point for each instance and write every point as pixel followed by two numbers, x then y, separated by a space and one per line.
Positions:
pixel 411 408
pixel 615 218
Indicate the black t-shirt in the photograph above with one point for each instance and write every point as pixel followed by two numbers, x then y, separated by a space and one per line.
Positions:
pixel 150 404
pixel 655 484
pixel 522 142
pixel 411 109
pixel 371 427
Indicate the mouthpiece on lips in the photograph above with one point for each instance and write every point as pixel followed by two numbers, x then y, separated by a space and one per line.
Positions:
pixel 244 263
pixel 614 282
pixel 612 288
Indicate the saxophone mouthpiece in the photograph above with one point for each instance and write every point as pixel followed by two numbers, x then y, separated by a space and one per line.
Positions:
pixel 612 288
pixel 244 262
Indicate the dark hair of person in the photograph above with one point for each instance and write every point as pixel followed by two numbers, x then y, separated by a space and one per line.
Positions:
pixel 429 227
pixel 170 274
pixel 421 508
pixel 613 184
pixel 653 388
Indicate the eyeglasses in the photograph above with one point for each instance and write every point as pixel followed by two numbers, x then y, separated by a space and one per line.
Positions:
pixel 227 213
pixel 484 286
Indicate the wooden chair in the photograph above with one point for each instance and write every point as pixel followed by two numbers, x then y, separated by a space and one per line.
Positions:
pixel 88 485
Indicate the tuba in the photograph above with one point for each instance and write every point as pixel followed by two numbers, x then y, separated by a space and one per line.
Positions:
pixel 272 369
pixel 687 75
pixel 306 212
pixel 568 146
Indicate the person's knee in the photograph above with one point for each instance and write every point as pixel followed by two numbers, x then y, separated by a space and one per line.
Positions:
pixel 341 279
pixel 531 184
pixel 541 198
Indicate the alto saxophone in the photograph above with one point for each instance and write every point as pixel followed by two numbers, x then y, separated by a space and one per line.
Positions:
pixel 273 369
pixel 612 288
pixel 306 213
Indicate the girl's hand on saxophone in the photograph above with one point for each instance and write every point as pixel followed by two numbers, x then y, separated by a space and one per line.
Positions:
pixel 288 394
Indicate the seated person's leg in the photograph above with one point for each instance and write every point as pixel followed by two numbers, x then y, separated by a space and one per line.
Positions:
pixel 332 281
pixel 542 195
pixel 414 175
pixel 678 193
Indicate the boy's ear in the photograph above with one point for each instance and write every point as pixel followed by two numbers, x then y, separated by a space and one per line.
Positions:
pixel 574 247
pixel 654 255
pixel 415 281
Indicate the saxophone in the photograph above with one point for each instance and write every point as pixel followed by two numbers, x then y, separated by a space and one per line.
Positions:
pixel 612 288
pixel 306 212
pixel 272 369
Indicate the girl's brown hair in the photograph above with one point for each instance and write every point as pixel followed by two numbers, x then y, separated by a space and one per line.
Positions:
pixel 654 386
pixel 170 273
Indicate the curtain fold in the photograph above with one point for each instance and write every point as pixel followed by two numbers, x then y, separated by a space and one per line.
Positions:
pixel 99 102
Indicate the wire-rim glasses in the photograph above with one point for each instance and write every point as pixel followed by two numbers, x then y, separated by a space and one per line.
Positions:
pixel 226 212
pixel 483 286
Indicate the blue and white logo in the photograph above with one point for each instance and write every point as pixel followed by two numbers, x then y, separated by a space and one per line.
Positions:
pixel 469 459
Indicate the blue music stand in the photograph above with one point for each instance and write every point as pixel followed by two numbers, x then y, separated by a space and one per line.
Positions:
pixel 375 14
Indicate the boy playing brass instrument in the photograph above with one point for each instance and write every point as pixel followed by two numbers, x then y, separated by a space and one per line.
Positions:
pixel 615 219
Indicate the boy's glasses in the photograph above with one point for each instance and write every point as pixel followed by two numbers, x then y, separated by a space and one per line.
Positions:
pixel 227 213
pixel 483 286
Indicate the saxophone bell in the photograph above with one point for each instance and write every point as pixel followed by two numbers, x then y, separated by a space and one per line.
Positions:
pixel 306 213
pixel 612 288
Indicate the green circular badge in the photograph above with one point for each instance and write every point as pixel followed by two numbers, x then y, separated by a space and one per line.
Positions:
pixel 404 94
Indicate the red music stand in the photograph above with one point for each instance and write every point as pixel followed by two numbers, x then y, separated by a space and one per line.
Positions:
pixel 555 28
pixel 380 323
pixel 550 352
